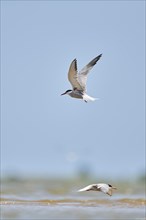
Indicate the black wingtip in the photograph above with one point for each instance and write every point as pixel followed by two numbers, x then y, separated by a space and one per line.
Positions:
pixel 75 62
pixel 99 56
pixel 94 61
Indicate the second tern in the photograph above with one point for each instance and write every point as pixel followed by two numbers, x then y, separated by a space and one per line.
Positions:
pixel 103 187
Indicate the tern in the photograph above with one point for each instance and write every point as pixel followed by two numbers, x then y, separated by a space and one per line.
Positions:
pixel 103 187
pixel 78 80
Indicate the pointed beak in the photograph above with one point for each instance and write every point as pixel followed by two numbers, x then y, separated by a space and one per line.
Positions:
pixel 63 93
pixel 113 187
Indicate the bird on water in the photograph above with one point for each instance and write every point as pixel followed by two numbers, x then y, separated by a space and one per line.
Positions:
pixel 78 80
pixel 103 187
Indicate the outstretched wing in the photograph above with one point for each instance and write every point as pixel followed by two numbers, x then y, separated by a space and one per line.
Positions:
pixel 88 188
pixel 109 192
pixel 73 75
pixel 82 76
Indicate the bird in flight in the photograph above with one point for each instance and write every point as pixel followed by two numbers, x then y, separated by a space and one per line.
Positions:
pixel 103 187
pixel 78 80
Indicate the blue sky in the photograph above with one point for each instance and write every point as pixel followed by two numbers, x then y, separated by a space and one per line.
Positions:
pixel 43 133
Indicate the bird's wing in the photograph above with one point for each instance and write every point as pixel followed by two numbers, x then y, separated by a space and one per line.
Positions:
pixel 82 76
pixel 88 188
pixel 109 192
pixel 73 75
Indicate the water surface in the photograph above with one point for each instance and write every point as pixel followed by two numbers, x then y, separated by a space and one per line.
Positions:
pixel 59 199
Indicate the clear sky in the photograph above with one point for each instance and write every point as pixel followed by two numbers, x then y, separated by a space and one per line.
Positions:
pixel 43 133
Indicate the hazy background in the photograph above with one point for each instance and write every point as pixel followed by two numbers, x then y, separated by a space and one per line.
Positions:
pixel 43 133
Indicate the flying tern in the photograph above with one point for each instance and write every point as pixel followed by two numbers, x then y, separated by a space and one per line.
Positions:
pixel 103 187
pixel 78 80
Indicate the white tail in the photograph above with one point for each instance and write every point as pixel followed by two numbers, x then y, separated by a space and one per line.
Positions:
pixel 87 98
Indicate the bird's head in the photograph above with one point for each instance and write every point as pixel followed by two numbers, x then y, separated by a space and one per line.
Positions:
pixel 67 92
pixel 112 187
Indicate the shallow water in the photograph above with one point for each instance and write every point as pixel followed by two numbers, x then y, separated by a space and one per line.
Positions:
pixel 59 199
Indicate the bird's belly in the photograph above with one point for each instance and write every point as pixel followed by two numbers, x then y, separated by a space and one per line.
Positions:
pixel 75 95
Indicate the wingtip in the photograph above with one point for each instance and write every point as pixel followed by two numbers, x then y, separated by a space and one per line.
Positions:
pixel 83 189
pixel 94 61
pixel 80 190
pixel 74 60
pixel 74 64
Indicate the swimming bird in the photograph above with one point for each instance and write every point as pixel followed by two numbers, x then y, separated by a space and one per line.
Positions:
pixel 78 80
pixel 103 187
